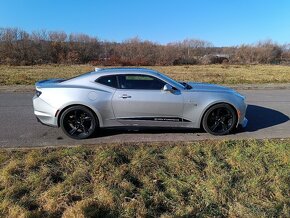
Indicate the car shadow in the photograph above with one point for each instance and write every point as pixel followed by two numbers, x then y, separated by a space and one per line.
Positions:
pixel 261 117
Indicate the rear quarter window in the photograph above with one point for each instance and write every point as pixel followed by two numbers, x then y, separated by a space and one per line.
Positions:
pixel 110 81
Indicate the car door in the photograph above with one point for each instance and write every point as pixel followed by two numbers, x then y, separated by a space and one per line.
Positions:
pixel 140 100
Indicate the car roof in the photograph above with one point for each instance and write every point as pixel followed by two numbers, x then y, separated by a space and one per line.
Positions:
pixel 99 72
pixel 109 71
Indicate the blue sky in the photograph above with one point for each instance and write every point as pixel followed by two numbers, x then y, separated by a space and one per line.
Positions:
pixel 222 22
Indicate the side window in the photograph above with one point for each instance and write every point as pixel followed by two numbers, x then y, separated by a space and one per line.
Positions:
pixel 134 81
pixel 108 81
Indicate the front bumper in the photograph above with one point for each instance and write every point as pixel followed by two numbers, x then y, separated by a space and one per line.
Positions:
pixel 241 109
pixel 244 123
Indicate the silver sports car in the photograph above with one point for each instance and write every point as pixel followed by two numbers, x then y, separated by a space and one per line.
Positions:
pixel 118 97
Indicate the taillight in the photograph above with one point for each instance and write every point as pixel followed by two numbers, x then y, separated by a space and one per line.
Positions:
pixel 38 93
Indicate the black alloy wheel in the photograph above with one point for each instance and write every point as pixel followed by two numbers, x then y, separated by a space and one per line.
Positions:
pixel 220 119
pixel 78 122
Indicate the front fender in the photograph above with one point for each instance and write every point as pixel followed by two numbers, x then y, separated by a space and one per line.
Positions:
pixel 199 122
pixel 196 104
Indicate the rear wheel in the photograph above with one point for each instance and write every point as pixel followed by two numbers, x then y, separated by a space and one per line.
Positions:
pixel 78 122
pixel 220 119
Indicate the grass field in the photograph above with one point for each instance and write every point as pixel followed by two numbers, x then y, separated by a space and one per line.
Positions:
pixel 221 74
pixel 200 179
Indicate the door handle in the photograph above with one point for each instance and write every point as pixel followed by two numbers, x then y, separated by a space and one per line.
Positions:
pixel 124 96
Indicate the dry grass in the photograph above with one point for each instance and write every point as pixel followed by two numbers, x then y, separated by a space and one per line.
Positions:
pixel 200 179
pixel 221 74
pixel 229 74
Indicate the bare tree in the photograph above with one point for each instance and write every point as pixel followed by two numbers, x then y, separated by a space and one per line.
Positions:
pixel 18 47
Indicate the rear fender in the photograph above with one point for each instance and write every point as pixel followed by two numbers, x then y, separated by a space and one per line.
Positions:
pixel 64 107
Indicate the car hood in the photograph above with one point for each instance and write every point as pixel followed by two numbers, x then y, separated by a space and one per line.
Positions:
pixel 206 87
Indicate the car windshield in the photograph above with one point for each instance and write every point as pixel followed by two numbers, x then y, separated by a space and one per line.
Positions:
pixel 186 85
pixel 172 81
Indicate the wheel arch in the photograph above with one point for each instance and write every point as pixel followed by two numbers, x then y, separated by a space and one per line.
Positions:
pixel 95 112
pixel 213 104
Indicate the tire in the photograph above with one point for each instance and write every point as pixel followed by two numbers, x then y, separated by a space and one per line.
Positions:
pixel 78 122
pixel 219 119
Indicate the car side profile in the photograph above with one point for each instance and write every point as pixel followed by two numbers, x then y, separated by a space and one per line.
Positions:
pixel 118 97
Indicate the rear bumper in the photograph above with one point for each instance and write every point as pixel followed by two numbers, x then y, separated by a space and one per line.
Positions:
pixel 44 112
pixel 38 120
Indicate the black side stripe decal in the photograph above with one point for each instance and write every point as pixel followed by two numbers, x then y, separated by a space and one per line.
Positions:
pixel 168 119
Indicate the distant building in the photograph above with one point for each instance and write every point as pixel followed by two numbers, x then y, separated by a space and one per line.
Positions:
pixel 215 59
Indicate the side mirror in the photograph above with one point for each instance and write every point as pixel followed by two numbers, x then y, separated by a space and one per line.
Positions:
pixel 167 88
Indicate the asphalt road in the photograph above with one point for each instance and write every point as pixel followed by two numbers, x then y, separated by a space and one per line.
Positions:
pixel 268 114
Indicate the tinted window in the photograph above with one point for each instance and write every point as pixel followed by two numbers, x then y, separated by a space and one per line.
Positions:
pixel 108 81
pixel 140 82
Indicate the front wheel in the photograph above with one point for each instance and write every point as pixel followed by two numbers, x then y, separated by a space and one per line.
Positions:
pixel 220 119
pixel 78 122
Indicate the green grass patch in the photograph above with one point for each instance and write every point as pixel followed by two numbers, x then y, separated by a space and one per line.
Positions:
pixel 220 74
pixel 248 178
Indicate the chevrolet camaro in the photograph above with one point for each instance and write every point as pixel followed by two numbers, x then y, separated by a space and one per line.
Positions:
pixel 118 97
